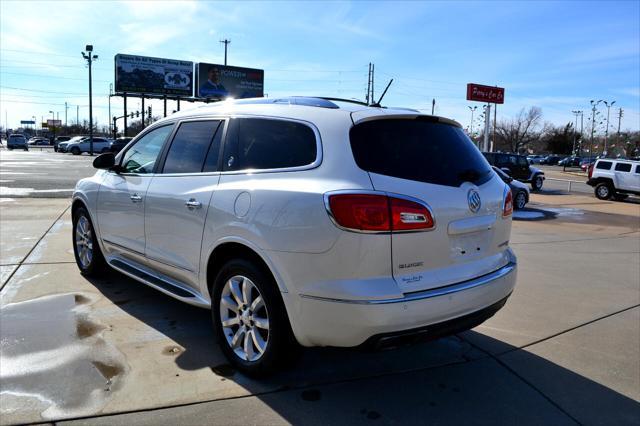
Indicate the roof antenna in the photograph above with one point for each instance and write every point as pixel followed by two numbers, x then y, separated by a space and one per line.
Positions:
pixel 377 104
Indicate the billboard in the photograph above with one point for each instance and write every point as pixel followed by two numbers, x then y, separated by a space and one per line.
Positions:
pixel 481 93
pixel 27 122
pixel 143 74
pixel 222 81
pixel 54 123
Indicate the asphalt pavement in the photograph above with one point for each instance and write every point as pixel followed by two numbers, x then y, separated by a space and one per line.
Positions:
pixel 564 350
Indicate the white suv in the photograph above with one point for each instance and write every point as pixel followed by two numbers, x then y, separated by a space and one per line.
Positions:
pixel 615 178
pixel 304 221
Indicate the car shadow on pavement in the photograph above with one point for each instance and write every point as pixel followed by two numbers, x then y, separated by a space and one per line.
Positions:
pixel 449 380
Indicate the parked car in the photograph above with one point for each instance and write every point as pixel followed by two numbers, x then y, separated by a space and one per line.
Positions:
pixel 612 178
pixel 519 167
pixel 84 145
pixel 518 189
pixel 278 214
pixel 552 160
pixel 573 161
pixel 58 140
pixel 62 145
pixel 535 158
pixel 17 141
pixel 117 145
pixel 39 141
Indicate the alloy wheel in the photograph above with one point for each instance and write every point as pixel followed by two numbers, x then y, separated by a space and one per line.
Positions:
pixel 84 242
pixel 244 318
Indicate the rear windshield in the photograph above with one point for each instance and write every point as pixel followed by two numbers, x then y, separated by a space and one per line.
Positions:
pixel 420 150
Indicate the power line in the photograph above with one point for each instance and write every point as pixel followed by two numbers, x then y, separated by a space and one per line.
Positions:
pixel 51 76
pixel 44 91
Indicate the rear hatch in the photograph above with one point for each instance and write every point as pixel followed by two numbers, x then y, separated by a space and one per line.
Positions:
pixel 432 160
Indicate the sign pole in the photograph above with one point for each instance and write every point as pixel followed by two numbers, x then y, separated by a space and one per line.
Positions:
pixel 142 110
pixel 487 121
pixel 124 97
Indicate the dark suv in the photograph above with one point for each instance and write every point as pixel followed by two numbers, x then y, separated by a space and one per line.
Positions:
pixel 518 168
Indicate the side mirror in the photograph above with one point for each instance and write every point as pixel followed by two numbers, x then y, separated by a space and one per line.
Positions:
pixel 105 161
pixel 506 170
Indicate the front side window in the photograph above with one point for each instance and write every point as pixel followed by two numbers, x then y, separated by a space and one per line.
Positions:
pixel 604 165
pixel 623 167
pixel 192 145
pixel 141 157
pixel 637 169
pixel 522 161
pixel 256 143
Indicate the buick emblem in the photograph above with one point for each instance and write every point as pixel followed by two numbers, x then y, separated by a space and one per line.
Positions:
pixel 473 197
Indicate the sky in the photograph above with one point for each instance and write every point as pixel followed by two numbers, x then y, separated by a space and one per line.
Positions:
pixel 555 55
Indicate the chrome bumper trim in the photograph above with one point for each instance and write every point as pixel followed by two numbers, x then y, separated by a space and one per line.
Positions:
pixel 427 294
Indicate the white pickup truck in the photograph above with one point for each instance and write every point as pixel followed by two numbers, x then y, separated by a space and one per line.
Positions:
pixel 615 178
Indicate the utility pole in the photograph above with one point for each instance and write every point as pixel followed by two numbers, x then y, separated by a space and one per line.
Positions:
pixel 606 132
pixel 620 112
pixel 77 115
pixel 90 57
pixel 66 107
pixel 594 104
pixel 368 84
pixel 110 91
pixel 373 69
pixel 226 43
pixel 575 130
pixel 433 105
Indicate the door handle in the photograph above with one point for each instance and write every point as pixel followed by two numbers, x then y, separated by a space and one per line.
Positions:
pixel 136 198
pixel 193 204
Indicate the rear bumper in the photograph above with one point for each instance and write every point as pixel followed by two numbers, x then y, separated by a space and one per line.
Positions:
pixel 348 323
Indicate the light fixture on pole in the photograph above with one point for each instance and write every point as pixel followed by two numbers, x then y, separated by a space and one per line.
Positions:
pixel 575 130
pixel 594 104
pixel 90 57
pixel 53 123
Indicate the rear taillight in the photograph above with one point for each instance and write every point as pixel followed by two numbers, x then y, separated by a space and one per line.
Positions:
pixel 590 170
pixel 507 206
pixel 378 213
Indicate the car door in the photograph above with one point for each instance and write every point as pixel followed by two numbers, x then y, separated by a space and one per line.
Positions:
pixel 624 177
pixel 121 199
pixel 522 166
pixel 178 199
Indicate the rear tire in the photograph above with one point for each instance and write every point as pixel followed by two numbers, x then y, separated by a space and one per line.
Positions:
pixel 603 191
pixel 536 183
pixel 75 150
pixel 256 337
pixel 86 249
pixel 520 200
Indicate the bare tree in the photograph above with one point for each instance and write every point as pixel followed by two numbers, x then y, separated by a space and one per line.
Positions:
pixel 516 134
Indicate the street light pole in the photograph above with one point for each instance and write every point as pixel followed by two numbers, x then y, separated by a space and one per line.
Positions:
pixel 90 57
pixel 53 123
pixel 110 90
pixel 594 104
pixel 471 124
pixel 575 129
pixel 606 132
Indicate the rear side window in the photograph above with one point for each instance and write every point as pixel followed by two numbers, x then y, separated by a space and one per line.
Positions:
pixel 623 167
pixel 420 150
pixel 256 143
pixel 604 165
pixel 191 146
pixel 637 169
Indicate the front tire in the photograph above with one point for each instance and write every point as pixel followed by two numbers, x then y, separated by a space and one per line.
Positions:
pixel 536 183
pixel 250 320
pixel 75 150
pixel 86 249
pixel 603 191
pixel 521 200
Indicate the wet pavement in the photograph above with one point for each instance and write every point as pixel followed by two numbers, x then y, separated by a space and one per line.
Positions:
pixel 565 349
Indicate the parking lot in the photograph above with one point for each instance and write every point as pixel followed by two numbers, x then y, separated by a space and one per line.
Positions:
pixel 564 350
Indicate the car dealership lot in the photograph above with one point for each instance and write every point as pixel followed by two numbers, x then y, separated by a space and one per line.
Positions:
pixel 565 349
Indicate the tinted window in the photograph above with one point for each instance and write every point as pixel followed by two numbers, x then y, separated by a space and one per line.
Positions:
pixel 142 156
pixel 255 143
pixel 420 150
pixel 190 146
pixel 522 161
pixel 623 167
pixel 491 158
pixel 637 169
pixel 603 165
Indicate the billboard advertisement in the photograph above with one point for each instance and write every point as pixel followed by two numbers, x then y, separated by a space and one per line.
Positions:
pixel 481 93
pixel 143 74
pixel 222 81
pixel 54 123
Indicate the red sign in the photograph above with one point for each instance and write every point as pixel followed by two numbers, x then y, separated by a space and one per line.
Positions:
pixel 478 92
